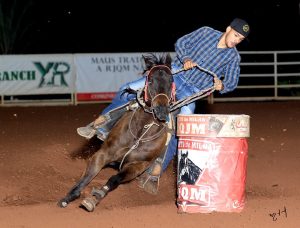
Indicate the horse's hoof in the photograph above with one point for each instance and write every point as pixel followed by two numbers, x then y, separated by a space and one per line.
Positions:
pixel 89 203
pixel 62 204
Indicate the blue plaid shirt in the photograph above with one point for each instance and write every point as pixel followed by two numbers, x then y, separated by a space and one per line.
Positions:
pixel 201 47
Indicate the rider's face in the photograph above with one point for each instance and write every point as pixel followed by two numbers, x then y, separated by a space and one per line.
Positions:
pixel 233 38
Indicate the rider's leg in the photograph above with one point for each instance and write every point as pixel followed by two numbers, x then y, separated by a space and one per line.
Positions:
pixel 103 124
pixel 171 150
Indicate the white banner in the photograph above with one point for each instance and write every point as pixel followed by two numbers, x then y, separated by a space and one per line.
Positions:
pixel 99 76
pixel 36 74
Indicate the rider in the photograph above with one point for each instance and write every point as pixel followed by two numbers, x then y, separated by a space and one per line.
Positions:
pixel 205 47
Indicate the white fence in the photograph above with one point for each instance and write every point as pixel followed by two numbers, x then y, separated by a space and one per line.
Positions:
pixel 265 75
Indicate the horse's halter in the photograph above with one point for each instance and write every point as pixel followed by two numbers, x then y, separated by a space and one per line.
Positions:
pixel 173 88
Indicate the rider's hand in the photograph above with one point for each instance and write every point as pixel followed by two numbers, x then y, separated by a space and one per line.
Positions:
pixel 189 64
pixel 218 84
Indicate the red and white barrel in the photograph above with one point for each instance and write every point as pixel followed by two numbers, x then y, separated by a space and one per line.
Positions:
pixel 212 161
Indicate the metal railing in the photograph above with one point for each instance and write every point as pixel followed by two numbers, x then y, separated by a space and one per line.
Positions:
pixel 266 75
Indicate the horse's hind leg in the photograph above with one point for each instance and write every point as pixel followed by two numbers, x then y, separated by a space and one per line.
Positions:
pixel 127 174
pixel 91 171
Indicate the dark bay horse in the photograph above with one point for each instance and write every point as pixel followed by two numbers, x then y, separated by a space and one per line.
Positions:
pixel 137 139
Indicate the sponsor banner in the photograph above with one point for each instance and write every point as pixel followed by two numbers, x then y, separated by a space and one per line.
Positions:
pixel 213 125
pixel 95 96
pixel 103 74
pixel 36 74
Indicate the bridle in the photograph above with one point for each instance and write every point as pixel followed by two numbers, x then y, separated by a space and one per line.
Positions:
pixel 147 91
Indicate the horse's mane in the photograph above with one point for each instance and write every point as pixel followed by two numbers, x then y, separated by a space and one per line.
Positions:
pixel 151 60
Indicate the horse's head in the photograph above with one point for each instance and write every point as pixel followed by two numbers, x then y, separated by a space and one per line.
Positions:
pixel 160 87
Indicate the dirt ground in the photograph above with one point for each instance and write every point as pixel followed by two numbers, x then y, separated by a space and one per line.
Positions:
pixel 36 170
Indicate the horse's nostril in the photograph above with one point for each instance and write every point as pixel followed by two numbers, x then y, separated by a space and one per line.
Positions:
pixel 162 113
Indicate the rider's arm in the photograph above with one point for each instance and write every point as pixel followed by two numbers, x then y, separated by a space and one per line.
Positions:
pixel 231 76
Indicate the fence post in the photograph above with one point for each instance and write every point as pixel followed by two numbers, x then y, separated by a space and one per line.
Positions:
pixel 210 98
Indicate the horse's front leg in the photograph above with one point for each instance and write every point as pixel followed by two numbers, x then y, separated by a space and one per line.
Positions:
pixel 93 168
pixel 128 173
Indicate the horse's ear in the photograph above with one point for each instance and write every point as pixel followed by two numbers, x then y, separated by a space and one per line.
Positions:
pixel 168 60
pixel 148 61
pixel 144 59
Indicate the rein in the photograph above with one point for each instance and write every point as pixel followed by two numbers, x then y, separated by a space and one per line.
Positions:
pixel 184 101
pixel 149 138
pixel 192 98
pixel 200 68
pixel 141 138
pixel 136 144
pixel 196 96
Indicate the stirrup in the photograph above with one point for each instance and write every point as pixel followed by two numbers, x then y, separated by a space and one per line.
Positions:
pixel 101 134
pixel 149 183
pixel 149 180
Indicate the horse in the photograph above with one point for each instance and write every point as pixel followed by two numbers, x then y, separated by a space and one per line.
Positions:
pixel 136 139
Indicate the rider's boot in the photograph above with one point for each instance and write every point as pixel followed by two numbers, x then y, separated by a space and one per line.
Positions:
pixel 104 123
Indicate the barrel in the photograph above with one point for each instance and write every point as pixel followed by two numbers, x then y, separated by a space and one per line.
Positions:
pixel 212 162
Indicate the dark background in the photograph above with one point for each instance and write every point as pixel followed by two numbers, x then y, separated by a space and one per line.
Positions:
pixel 150 26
